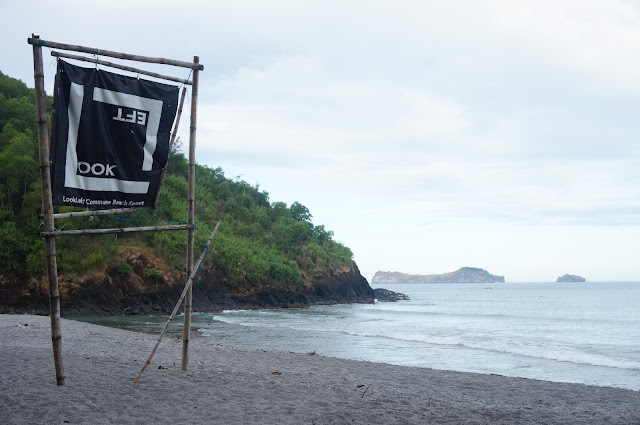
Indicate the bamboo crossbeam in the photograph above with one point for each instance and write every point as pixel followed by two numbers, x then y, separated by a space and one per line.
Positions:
pixel 57 233
pixel 96 212
pixel 36 41
pixel 123 67
pixel 187 286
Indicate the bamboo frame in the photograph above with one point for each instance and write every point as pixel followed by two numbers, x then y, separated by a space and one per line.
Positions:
pixel 35 40
pixel 50 233
pixel 57 233
pixel 187 288
pixel 123 67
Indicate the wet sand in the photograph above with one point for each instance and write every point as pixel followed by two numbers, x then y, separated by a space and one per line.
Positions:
pixel 229 385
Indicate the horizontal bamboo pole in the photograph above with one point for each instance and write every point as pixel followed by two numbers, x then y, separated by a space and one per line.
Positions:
pixel 57 233
pixel 175 309
pixel 96 212
pixel 93 51
pixel 123 67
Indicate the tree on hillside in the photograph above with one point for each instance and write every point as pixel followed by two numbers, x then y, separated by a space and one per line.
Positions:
pixel 300 212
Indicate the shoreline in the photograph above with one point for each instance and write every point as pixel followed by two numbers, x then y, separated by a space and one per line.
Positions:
pixel 68 312
pixel 236 385
pixel 380 295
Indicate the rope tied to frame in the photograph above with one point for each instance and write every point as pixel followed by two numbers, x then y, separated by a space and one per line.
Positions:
pixel 201 266
pixel 42 43
pixel 205 248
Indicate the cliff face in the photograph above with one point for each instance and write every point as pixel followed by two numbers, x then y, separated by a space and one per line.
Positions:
pixel 134 292
pixel 462 275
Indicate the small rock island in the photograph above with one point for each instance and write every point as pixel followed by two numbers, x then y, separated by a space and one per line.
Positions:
pixel 571 278
pixel 462 275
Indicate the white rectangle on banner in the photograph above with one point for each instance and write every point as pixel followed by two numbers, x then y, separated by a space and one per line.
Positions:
pixel 72 179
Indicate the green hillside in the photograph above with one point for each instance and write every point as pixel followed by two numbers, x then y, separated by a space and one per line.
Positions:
pixel 258 242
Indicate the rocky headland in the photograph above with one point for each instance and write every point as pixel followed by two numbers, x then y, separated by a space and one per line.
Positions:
pixel 133 290
pixel 570 278
pixel 462 275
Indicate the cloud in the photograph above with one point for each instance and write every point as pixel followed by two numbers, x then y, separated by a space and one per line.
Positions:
pixel 400 143
pixel 597 40
pixel 295 107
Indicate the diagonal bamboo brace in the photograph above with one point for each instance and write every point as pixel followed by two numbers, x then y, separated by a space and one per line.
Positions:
pixel 175 309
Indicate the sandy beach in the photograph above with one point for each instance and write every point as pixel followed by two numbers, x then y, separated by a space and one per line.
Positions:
pixel 229 385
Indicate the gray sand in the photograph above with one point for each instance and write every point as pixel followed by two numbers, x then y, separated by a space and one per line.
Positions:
pixel 228 385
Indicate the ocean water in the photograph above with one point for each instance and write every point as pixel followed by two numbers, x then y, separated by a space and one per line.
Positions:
pixel 566 332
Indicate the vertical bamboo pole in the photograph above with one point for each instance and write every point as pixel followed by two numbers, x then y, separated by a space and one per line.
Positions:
pixel 186 331
pixel 47 212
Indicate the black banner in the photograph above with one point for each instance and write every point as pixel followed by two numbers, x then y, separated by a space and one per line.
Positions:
pixel 110 138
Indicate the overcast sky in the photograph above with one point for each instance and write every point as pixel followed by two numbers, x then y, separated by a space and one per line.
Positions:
pixel 428 135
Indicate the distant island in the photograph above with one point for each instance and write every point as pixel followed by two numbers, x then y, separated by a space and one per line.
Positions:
pixel 462 275
pixel 571 278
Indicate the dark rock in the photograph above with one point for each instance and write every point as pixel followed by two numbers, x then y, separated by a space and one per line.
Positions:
pixel 389 296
